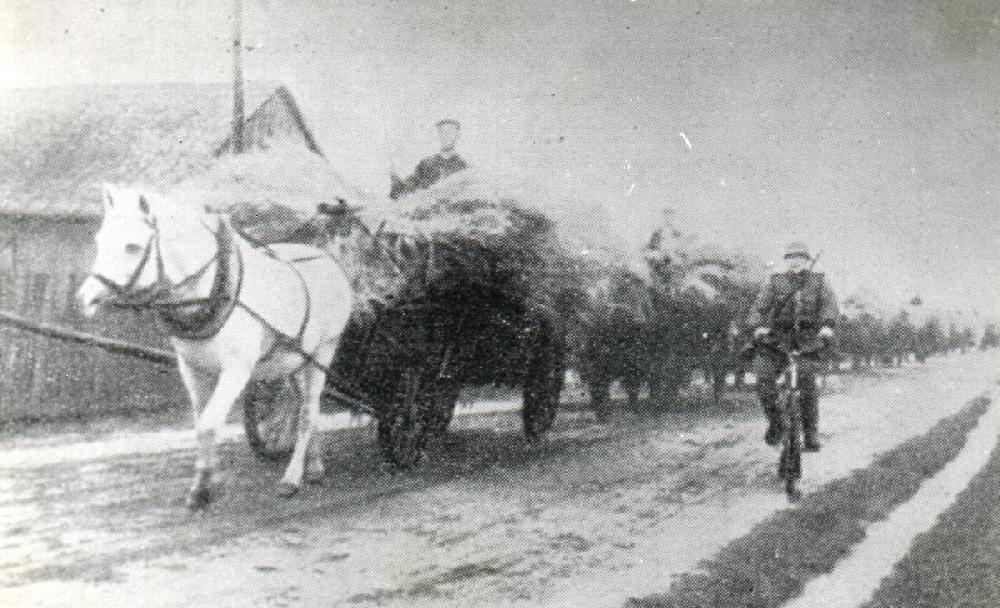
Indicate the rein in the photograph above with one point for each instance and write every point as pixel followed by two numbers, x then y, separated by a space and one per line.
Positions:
pixel 127 293
pixel 152 296
pixel 211 312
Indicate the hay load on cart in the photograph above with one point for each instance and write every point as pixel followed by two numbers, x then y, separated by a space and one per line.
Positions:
pixel 455 286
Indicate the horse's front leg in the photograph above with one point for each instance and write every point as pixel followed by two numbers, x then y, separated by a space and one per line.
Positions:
pixel 199 387
pixel 230 384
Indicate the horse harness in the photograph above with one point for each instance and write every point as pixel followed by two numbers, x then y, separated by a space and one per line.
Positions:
pixel 186 318
pixel 202 318
pixel 126 295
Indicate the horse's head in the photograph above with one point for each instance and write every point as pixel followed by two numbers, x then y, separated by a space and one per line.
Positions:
pixel 128 257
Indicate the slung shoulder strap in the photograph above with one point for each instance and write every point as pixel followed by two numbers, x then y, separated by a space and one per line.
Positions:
pixel 820 284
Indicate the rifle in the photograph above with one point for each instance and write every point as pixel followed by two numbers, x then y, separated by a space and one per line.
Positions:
pixel 797 294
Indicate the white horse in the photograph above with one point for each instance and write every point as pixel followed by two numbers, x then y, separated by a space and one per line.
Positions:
pixel 236 313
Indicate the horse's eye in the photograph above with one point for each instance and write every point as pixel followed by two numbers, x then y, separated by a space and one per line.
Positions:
pixel 133 248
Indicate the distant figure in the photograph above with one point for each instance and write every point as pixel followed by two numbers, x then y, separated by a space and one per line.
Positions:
pixel 431 169
pixel 795 307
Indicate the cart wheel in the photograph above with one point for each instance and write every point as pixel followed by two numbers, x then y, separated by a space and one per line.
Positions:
pixel 403 433
pixel 270 418
pixel 401 439
pixel 544 378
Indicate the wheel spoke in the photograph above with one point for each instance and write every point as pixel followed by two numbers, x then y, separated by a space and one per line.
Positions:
pixel 271 418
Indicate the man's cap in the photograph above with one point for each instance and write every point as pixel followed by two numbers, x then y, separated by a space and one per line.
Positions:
pixel 448 121
pixel 797 249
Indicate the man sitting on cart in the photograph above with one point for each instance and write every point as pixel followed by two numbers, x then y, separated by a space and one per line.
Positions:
pixel 796 310
pixel 433 168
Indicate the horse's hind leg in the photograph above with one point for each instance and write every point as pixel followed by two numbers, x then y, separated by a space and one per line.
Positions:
pixel 310 382
pixel 315 471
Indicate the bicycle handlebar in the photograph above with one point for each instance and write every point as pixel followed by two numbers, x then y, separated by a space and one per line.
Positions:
pixel 817 346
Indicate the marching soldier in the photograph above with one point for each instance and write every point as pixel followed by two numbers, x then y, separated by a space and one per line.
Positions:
pixel 802 299
pixel 432 168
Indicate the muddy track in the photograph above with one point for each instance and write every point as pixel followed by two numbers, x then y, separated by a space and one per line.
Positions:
pixel 595 515
pixel 80 520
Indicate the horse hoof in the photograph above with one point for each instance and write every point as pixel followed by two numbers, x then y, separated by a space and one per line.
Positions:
pixel 287 490
pixel 315 477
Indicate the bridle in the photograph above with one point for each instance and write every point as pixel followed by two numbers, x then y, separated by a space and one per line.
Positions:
pixel 157 294
pixel 219 305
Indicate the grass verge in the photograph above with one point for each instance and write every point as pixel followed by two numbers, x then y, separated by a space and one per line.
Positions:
pixel 772 563
pixel 957 562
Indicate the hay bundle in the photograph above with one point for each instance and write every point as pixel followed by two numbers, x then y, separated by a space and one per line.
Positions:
pixel 459 236
pixel 447 280
pixel 285 176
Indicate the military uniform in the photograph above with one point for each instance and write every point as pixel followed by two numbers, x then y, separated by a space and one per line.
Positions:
pixel 428 172
pixel 804 298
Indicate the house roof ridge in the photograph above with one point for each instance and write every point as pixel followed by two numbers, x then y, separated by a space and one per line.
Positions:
pixel 57 149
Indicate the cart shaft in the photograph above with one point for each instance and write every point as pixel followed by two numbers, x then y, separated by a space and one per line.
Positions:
pixel 154 355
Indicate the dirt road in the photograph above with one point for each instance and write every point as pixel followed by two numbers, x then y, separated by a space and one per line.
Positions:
pixel 594 515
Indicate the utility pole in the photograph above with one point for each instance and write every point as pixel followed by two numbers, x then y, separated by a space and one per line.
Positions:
pixel 238 111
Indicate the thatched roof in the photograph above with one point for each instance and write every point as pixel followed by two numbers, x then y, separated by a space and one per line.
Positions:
pixel 57 145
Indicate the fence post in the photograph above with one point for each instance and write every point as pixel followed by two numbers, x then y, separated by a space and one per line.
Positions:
pixel 7 280
pixel 42 301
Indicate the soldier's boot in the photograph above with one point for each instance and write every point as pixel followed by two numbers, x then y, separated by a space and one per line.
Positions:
pixel 810 421
pixel 768 395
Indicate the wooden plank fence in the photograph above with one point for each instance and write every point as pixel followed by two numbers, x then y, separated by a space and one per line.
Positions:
pixel 43 378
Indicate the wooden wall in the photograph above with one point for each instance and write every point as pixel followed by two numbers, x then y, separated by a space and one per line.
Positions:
pixel 42 263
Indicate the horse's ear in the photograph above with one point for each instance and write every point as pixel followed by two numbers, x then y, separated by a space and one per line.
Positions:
pixel 143 205
pixel 106 196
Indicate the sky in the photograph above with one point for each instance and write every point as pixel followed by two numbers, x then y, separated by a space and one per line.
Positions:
pixel 869 130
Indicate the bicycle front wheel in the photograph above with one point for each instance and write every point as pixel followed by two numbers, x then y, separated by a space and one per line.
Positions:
pixel 790 467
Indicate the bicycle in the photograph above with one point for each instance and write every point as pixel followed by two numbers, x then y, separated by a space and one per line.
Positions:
pixel 789 406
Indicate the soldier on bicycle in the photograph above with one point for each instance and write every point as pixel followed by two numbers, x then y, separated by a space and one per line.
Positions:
pixel 795 310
